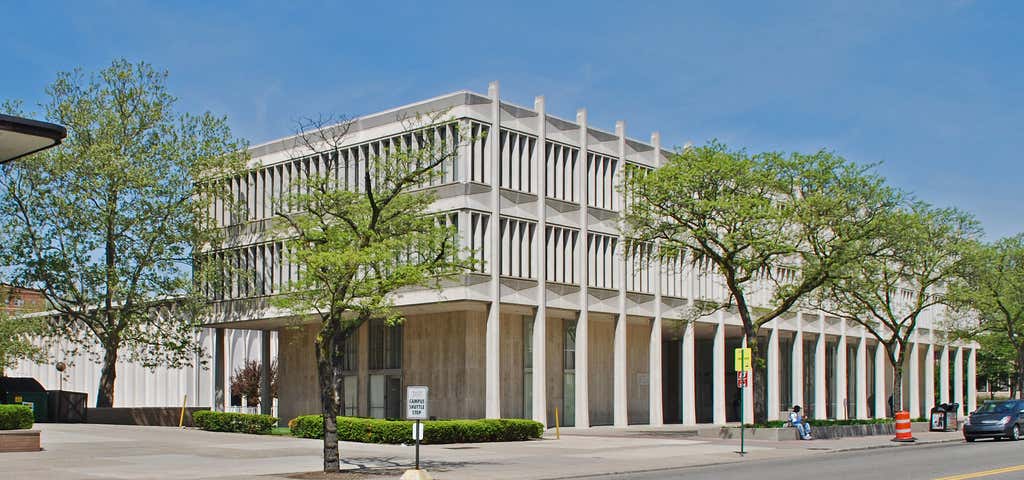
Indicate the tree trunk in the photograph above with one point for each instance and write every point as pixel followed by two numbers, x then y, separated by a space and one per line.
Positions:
pixel 105 393
pixel 897 389
pixel 326 380
pixel 760 376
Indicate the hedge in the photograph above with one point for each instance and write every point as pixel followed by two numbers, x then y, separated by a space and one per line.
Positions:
pixel 823 423
pixel 233 422
pixel 16 417
pixel 370 430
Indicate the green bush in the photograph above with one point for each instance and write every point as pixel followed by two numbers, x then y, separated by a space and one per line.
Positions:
pixel 16 417
pixel 370 430
pixel 233 422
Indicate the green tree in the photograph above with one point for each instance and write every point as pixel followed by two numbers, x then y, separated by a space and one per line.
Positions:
pixel 357 245
pixel 912 262
pixel 993 287
pixel 781 224
pixel 106 224
pixel 16 341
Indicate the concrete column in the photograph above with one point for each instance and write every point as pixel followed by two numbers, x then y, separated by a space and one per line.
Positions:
pixel 929 377
pixel 773 373
pixel 820 385
pixel 266 399
pixel 972 380
pixel 219 399
pixel 797 360
pixel 540 357
pixel 944 375
pixel 958 378
pixel 620 400
pixel 862 377
pixel 688 377
pixel 841 400
pixel 718 382
pixel 914 381
pixel 654 353
pixel 881 400
pixel 492 362
pixel 582 405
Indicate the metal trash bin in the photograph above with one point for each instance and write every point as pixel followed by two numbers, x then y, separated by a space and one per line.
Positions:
pixel 944 417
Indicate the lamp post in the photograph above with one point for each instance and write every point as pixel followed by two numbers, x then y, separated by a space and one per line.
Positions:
pixel 61 366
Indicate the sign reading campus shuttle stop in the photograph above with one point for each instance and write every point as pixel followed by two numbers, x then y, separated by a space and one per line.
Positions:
pixel 416 402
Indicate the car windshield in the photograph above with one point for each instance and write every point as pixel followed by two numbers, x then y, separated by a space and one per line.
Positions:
pixel 997 407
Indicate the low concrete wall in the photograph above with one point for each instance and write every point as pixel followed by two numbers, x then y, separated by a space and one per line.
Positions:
pixel 19 441
pixel 789 433
pixel 153 416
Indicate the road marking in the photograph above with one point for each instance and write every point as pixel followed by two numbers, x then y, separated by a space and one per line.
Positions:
pixel 986 473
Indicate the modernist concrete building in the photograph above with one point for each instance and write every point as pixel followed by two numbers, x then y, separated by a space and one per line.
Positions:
pixel 556 317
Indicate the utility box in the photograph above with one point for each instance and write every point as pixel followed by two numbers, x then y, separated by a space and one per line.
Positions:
pixel 67 407
pixel 944 417
pixel 26 391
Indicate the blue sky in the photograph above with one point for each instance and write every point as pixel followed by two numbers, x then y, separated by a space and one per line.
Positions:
pixel 932 90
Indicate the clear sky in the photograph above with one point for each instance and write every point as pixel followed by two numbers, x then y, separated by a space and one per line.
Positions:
pixel 932 90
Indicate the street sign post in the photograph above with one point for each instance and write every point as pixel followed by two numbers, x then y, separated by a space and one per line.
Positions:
pixel 416 409
pixel 743 364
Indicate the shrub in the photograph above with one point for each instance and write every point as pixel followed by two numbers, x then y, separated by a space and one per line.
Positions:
pixel 16 417
pixel 369 430
pixel 233 422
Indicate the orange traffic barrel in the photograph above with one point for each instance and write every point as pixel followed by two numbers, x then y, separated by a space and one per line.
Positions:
pixel 903 431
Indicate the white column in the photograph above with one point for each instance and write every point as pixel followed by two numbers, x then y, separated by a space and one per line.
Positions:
pixel 929 376
pixel 492 369
pixel 820 386
pixel 841 400
pixel 958 378
pixel 862 377
pixel 914 381
pixel 797 385
pixel 654 353
pixel 540 357
pixel 688 377
pixel 582 404
pixel 773 373
pixel 944 375
pixel 748 393
pixel 620 399
pixel 972 372
pixel 881 400
pixel 718 377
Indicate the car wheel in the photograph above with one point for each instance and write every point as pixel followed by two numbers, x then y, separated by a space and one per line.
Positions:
pixel 970 439
pixel 1015 434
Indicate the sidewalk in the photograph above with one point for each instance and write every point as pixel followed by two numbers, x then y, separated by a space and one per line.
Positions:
pixel 129 452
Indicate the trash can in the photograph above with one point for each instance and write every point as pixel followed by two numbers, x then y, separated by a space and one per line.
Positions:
pixel 944 417
pixel 25 391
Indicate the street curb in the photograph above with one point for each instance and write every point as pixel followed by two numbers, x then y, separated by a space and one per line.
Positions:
pixel 896 445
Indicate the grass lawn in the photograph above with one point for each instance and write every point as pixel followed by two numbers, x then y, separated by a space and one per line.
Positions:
pixel 282 431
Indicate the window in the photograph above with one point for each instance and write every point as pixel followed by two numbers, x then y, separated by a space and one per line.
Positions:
pixel 640 265
pixel 601 171
pixel 478 240
pixel 561 255
pixel 527 367
pixel 385 346
pixel 517 152
pixel 675 275
pixel 517 247
pixel 561 163
pixel 603 267
pixel 479 153
pixel 569 373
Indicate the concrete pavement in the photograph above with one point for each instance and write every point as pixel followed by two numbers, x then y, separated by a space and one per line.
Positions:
pixel 128 452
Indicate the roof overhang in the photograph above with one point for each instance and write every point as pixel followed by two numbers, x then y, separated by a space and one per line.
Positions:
pixel 23 136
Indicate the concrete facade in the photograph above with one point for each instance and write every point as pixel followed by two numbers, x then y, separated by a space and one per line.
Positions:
pixel 558 316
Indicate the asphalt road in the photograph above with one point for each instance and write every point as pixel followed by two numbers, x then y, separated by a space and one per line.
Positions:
pixel 953 461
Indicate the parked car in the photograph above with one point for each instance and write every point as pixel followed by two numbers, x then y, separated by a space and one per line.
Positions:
pixel 998 419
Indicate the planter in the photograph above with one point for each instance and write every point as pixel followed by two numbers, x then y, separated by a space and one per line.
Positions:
pixel 19 441
pixel 789 433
